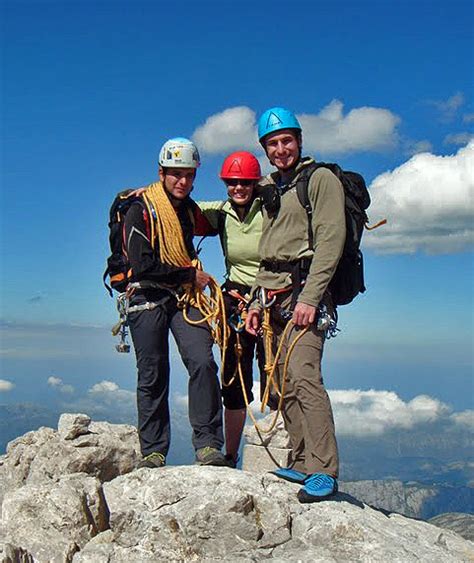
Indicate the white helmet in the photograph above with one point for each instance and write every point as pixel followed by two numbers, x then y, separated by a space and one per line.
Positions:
pixel 179 153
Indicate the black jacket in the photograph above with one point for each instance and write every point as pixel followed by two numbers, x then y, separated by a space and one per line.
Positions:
pixel 144 260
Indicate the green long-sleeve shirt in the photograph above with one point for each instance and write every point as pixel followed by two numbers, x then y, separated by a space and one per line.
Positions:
pixel 240 238
pixel 285 237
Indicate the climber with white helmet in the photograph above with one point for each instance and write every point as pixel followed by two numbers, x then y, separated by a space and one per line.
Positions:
pixel 158 236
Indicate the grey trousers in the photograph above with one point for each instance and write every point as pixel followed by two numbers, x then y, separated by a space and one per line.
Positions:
pixel 307 409
pixel 150 333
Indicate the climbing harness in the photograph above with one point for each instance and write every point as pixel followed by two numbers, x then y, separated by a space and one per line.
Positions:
pixel 325 322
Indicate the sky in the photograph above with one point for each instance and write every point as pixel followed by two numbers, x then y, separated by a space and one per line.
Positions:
pixel 91 90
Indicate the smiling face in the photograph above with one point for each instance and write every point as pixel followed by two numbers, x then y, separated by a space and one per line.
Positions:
pixel 178 182
pixel 240 191
pixel 283 148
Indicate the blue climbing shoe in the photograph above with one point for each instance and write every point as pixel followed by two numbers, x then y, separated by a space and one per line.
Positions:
pixel 290 475
pixel 317 487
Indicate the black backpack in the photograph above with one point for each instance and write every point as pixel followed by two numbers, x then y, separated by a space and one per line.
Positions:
pixel 348 280
pixel 118 268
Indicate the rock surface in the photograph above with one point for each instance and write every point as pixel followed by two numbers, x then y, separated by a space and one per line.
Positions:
pixel 266 450
pixel 462 524
pixel 189 513
pixel 105 451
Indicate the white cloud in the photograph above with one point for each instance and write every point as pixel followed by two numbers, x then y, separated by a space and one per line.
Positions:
pixel 464 418
pixel 458 138
pixel 428 202
pixel 468 118
pixel 328 132
pixel 449 108
pixel 109 392
pixel 6 385
pixel 368 413
pixel 362 129
pixel 54 381
pixel 58 384
pixel 232 129
pixel 104 387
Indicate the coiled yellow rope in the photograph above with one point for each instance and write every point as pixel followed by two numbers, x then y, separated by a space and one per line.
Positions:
pixel 172 249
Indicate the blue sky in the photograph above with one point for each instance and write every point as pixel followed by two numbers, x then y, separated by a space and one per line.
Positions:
pixel 90 91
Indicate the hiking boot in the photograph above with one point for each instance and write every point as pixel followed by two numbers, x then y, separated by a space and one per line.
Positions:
pixel 210 456
pixel 290 475
pixel 231 461
pixel 317 487
pixel 152 461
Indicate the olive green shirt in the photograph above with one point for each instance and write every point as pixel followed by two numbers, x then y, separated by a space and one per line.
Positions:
pixel 285 236
pixel 240 238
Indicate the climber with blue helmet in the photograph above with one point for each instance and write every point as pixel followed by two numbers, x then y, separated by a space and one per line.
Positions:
pixel 298 259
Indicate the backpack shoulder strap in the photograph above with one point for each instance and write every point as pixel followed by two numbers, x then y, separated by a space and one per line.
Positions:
pixel 303 197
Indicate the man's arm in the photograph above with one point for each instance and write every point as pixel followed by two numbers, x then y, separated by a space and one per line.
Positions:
pixel 206 217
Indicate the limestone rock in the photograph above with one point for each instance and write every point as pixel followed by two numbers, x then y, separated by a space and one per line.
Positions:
pixel 200 514
pixel 277 437
pixel 393 496
pixel 462 524
pixel 51 521
pixel 108 450
pixel 264 451
pixel 261 459
pixel 51 514
pixel 71 426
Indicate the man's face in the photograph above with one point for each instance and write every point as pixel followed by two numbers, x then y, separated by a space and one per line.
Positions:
pixel 283 149
pixel 178 182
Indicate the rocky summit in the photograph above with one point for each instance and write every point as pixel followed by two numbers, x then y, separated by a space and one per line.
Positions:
pixel 74 495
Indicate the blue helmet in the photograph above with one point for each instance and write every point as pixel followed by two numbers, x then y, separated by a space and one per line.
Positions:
pixel 275 119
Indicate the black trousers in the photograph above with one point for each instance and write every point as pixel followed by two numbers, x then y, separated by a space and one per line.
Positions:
pixel 150 334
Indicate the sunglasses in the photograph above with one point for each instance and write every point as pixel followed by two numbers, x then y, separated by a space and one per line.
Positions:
pixel 232 182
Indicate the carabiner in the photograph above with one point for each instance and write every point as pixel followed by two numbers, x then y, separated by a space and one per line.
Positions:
pixel 263 299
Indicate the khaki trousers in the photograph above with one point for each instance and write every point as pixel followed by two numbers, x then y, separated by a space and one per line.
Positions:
pixel 307 409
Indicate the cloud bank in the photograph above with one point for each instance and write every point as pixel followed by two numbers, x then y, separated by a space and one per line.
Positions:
pixel 368 413
pixel 428 202
pixel 328 132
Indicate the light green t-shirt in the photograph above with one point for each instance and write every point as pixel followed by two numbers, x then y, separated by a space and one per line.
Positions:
pixel 240 238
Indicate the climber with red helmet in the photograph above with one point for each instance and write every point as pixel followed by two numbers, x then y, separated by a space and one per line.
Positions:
pixel 238 221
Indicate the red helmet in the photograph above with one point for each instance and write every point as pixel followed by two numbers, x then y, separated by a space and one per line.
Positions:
pixel 242 165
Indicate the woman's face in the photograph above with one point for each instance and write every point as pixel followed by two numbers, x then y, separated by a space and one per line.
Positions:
pixel 240 191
